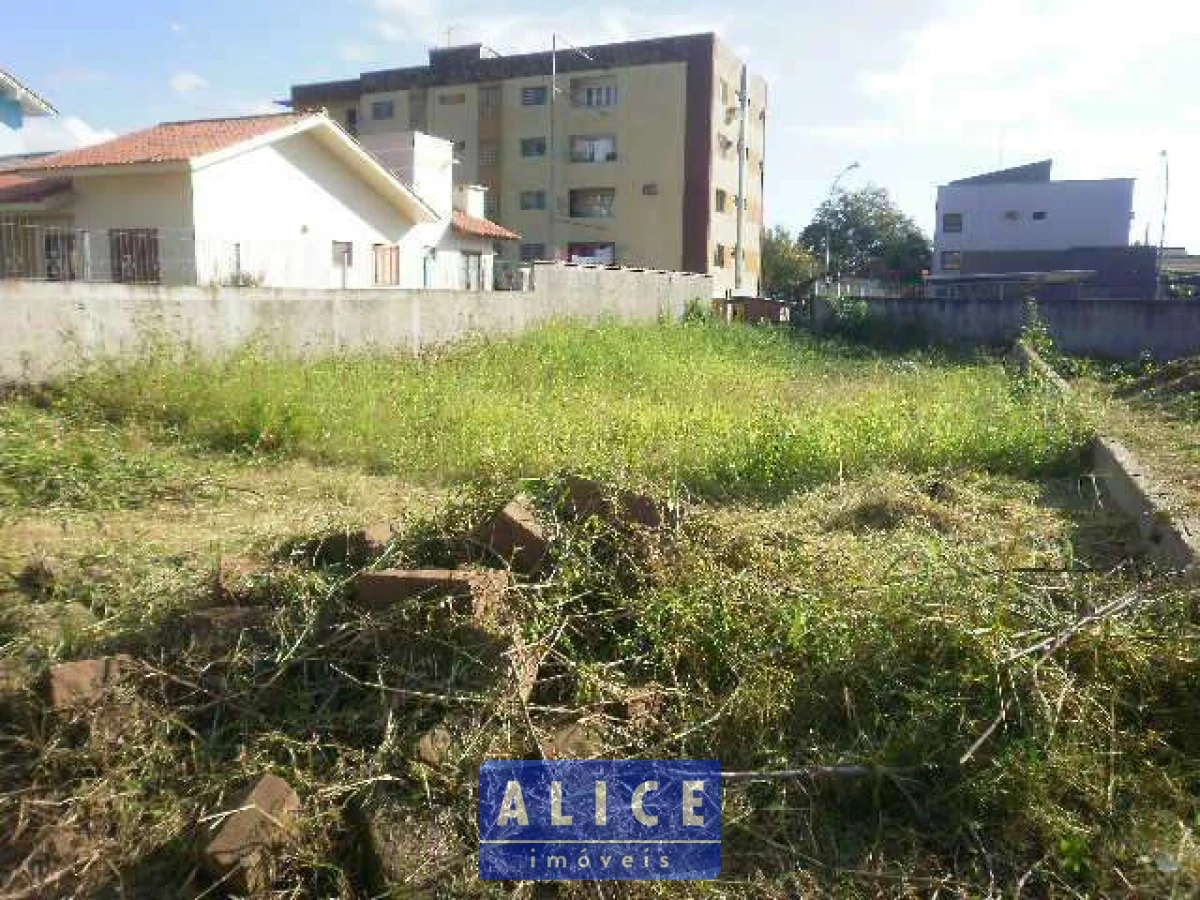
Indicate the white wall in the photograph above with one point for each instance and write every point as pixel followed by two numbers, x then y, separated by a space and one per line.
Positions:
pixel 162 201
pixel 285 204
pixel 1078 214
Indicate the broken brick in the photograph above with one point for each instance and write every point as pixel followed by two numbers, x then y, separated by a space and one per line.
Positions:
pixel 586 497
pixel 475 593
pixel 515 536
pixel 434 745
pixel 238 853
pixel 84 680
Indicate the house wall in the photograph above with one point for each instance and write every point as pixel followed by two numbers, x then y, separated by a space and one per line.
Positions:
pixel 281 207
pixel 161 201
pixel 51 327
pixel 1078 214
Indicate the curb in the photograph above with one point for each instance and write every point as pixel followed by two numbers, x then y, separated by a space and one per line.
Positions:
pixel 1129 485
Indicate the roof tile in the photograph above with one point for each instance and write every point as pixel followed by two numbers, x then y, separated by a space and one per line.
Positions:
pixel 482 227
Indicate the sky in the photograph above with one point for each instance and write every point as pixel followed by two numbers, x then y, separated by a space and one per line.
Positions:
pixel 918 93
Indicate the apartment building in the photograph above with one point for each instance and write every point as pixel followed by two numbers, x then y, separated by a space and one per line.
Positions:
pixel 632 157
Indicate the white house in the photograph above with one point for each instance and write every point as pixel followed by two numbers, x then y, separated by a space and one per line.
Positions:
pixel 1021 210
pixel 285 200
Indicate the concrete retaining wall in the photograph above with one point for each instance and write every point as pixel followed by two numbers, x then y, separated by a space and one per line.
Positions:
pixel 1112 329
pixel 47 327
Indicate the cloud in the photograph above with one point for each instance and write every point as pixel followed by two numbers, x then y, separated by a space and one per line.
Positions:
pixel 428 22
pixel 177 27
pixel 1082 81
pixel 259 108
pixel 185 81
pixel 354 52
pixel 51 134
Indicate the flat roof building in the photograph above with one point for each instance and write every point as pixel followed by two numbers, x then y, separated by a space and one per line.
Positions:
pixel 634 157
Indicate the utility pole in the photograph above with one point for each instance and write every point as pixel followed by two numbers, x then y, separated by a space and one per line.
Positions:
pixel 738 251
pixel 1162 234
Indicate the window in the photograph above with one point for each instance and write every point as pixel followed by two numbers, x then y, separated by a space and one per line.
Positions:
pixel 460 148
pixel 951 260
pixel 593 253
pixel 489 153
pixel 1012 215
pixel 724 92
pixel 456 99
pixel 535 146
pixel 593 92
pixel 593 148
pixel 719 256
pixel 491 206
pixel 472 270
pixel 383 109
pixel 530 252
pixel 592 203
pixel 533 199
pixel 490 98
pixel 352 121
pixel 534 96
pixel 1039 216
pixel 134 255
pixel 952 223
pixel 650 189
pixel 343 254
pixel 387 265
pixel 720 200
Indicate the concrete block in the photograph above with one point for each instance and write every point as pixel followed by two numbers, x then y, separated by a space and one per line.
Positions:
pixel 238 853
pixel 479 594
pixel 515 536
pixel 83 681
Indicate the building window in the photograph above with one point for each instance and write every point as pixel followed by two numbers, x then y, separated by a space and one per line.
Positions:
pixel 352 121
pixel 593 253
pixel 534 96
pixel 387 265
pixel 534 146
pixel 720 201
pixel 490 98
pixel 456 99
pixel 530 252
pixel 533 199
pixel 343 254
pixel 491 206
pixel 719 256
pixel 460 148
pixel 593 92
pixel 592 203
pixel 593 148
pixel 952 223
pixel 951 260
pixel 650 189
pixel 383 109
pixel 1012 215
pixel 134 255
pixel 489 153
pixel 1039 216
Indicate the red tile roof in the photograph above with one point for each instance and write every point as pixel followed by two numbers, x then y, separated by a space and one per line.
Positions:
pixel 482 227
pixel 168 142
pixel 16 188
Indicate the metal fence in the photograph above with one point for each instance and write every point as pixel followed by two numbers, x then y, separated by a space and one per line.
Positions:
pixel 46 250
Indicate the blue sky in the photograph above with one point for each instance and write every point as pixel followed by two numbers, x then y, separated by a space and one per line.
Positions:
pixel 918 93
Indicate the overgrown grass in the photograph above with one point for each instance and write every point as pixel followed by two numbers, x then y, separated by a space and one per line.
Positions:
pixel 722 411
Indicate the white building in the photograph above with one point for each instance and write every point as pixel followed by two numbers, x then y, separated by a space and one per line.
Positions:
pixel 1021 211
pixel 282 201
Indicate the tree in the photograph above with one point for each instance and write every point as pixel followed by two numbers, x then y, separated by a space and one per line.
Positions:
pixel 788 269
pixel 868 236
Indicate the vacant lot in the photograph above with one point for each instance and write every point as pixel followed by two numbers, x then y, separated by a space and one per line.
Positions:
pixel 873 550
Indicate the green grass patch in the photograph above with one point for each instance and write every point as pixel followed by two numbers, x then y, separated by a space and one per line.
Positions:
pixel 723 411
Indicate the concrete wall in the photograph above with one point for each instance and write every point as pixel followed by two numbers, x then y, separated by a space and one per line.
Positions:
pixel 1107 328
pixel 51 326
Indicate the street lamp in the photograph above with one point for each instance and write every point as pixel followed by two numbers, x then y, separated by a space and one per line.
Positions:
pixel 832 190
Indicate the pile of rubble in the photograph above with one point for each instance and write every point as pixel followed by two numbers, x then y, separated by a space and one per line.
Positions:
pixel 510 547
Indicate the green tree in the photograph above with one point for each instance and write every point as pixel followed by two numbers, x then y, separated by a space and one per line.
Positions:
pixel 788 269
pixel 868 235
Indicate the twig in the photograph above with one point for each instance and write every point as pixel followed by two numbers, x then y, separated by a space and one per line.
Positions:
pixel 809 772
pixel 1056 642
